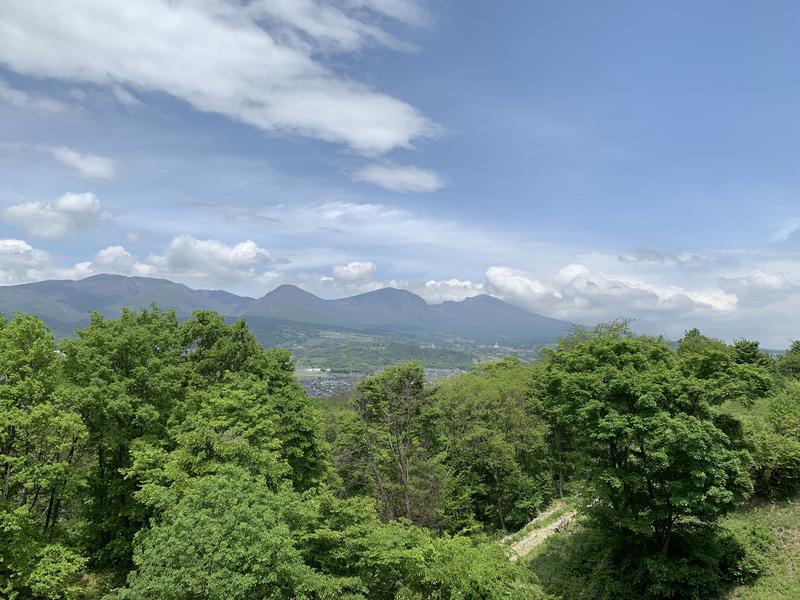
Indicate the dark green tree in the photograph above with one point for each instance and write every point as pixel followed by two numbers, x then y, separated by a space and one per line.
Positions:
pixel 789 362
pixel 654 461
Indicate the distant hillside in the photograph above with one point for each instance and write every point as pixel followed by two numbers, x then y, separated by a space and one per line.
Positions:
pixel 297 319
pixel 392 311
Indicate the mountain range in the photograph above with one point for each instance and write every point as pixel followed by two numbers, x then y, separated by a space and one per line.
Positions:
pixel 287 315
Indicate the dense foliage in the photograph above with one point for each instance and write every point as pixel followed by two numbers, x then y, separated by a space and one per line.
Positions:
pixel 185 460
pixel 187 455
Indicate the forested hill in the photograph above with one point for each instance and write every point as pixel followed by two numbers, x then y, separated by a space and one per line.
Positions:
pixel 150 459
pixel 65 305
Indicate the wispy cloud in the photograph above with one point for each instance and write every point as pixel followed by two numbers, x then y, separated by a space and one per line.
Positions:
pixel 788 229
pixel 89 166
pixel 400 178
pixel 256 63
pixel 29 100
pixel 85 164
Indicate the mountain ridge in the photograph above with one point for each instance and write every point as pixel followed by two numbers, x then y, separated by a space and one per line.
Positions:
pixel 65 305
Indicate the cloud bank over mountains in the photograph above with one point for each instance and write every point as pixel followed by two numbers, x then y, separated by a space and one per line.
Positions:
pixel 575 292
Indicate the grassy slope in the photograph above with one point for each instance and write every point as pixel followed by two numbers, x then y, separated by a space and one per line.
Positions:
pixel 782 580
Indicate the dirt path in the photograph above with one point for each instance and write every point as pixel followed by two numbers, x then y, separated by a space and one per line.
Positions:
pixel 521 547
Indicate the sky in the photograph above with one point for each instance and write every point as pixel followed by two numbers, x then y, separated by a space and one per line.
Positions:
pixel 583 160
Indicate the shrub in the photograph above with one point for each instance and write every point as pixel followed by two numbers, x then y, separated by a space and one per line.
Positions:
pixel 55 573
pixel 587 565
pixel 776 472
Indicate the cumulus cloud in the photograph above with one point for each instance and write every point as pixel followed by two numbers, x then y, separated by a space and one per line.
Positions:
pixel 760 288
pixel 67 213
pixel 575 292
pixel 28 100
pixel 354 271
pixel 221 57
pixel 90 166
pixel 210 262
pixel 445 290
pixel 20 262
pixel 400 178
pixel 112 259
pixel 185 259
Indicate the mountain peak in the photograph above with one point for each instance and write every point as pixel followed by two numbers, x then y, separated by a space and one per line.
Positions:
pixel 390 297
pixel 287 290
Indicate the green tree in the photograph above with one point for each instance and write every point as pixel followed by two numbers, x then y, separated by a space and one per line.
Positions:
pixel 654 461
pixel 789 362
pixel 493 436
pixel 42 439
pixel 225 539
pixel 230 536
pixel 125 375
pixel 397 443
pixel 748 352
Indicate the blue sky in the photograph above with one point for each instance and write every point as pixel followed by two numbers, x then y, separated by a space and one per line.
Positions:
pixel 583 160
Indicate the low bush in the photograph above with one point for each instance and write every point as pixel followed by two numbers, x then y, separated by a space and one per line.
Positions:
pixel 587 565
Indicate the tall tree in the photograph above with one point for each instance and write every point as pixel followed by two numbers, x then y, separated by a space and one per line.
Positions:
pixel 655 460
pixel 493 436
pixel 126 376
pixel 41 450
pixel 397 444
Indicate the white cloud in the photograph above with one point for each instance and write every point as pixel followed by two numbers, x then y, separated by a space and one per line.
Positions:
pixel 760 288
pixel 408 11
pixel 90 166
pixel 383 224
pixel 112 259
pixel 400 178
pixel 185 259
pixel 787 230
pixel 29 100
pixel 20 262
pixel 218 56
pixel 322 23
pixel 354 271
pixel 445 290
pixel 576 293
pixel 654 257
pixel 67 213
pixel 210 262
pixel 124 97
